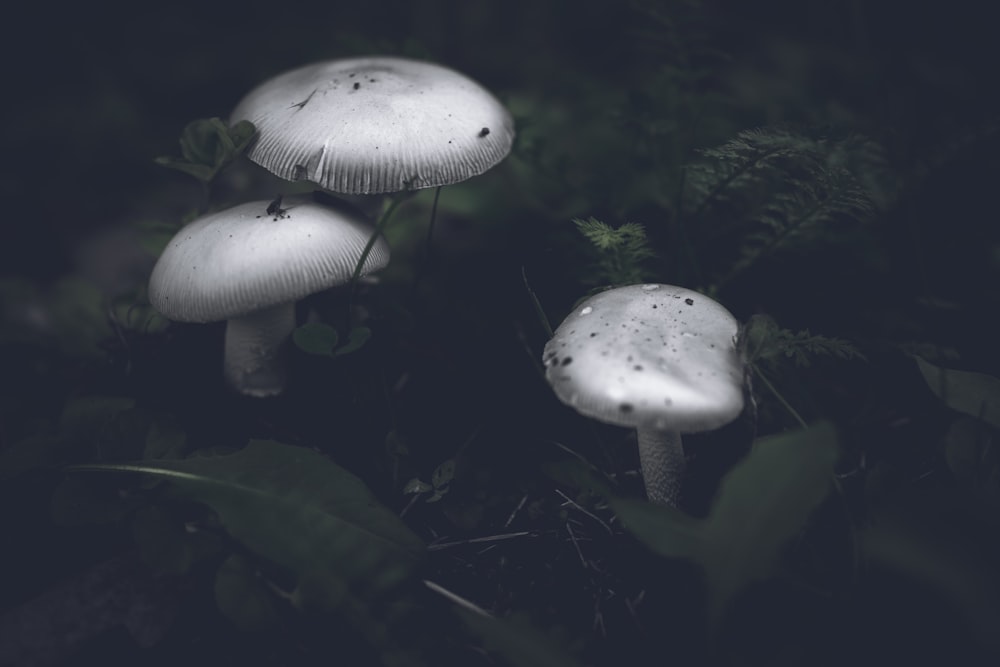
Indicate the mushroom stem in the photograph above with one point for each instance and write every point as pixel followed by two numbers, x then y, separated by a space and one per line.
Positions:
pixel 661 457
pixel 254 351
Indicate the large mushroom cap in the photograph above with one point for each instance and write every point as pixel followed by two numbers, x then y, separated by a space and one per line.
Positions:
pixel 376 124
pixel 244 259
pixel 650 357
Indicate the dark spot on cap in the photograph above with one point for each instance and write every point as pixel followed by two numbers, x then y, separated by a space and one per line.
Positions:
pixel 626 407
pixel 356 85
pixel 637 367
pixel 567 361
pixel 689 302
pixel 483 132
pixel 593 334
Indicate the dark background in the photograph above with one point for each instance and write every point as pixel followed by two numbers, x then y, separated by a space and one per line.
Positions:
pixel 94 91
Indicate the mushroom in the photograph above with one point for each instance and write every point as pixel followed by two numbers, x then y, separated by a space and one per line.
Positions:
pixel 375 125
pixel 248 265
pixel 657 358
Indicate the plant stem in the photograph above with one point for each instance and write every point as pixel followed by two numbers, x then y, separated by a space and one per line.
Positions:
pixel 777 394
pixel 379 226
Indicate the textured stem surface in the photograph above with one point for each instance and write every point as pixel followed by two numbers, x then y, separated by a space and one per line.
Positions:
pixel 661 456
pixel 254 352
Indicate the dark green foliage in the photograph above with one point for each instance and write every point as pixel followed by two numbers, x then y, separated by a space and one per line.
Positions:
pixel 763 341
pixel 293 508
pixel 779 189
pixel 621 252
pixel 296 508
pixel 208 146
pixel 823 170
pixel 762 504
pixel 975 394
pixel 322 339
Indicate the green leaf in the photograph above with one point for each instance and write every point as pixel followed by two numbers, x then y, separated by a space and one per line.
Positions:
pixel 296 508
pixel 202 172
pixel 154 236
pixel 975 394
pixel 974 459
pixel 38 450
pixel 81 427
pixel 665 530
pixel 316 338
pixel 165 439
pixel 200 141
pixel 138 316
pixel 620 252
pixel 207 146
pixel 87 414
pixel 762 503
pixel 575 473
pixel 166 545
pixel 79 502
pixel 357 337
pixel 241 134
pixel 516 640
pixel 443 474
pixel 936 557
pixel 242 597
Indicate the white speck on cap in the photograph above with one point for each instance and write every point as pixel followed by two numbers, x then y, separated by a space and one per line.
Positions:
pixel 241 260
pixel 649 356
pixel 375 125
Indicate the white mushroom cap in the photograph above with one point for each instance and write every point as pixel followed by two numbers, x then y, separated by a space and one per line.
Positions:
pixel 375 125
pixel 242 260
pixel 649 357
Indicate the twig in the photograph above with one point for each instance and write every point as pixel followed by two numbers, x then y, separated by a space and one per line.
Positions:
pixel 474 540
pixel 517 509
pixel 572 502
pixel 457 599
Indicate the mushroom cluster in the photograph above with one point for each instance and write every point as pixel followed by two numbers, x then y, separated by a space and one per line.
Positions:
pixel 248 265
pixel 657 358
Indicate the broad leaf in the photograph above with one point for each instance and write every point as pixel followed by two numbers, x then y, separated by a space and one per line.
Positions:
pixel 357 337
pixel 241 134
pixel 81 426
pixel 242 597
pixel 166 544
pixel 316 338
pixel 665 530
pixel 296 508
pixel 762 503
pixel 975 394
pixel 201 172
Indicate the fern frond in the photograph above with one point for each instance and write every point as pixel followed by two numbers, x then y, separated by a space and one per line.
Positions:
pixel 764 341
pixel 620 252
pixel 776 188
pixel 738 169
pixel 812 211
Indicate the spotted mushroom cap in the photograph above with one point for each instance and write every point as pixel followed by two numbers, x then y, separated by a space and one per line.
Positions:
pixel 244 259
pixel 375 124
pixel 649 356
